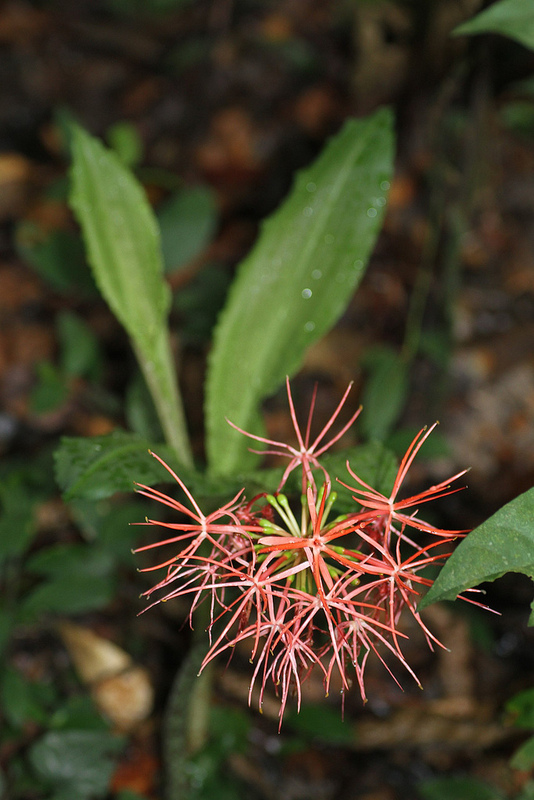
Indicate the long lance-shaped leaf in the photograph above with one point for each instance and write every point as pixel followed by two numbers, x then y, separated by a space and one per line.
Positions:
pixel 504 543
pixel 122 239
pixel 513 18
pixel 297 281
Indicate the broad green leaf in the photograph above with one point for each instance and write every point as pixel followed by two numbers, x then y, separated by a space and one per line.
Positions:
pixel 60 559
pixel 513 18
pixel 78 578
pixel 123 244
pixel 297 281
pixel 187 222
pixel 99 466
pixel 71 593
pixel 504 543
pixel 122 238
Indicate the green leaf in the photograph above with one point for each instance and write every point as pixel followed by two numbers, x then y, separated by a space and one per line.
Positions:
pixel 72 593
pixel 513 18
pixel 297 281
pixel 200 302
pixel 80 354
pixel 523 758
pixel 122 238
pixel 123 245
pixel 187 223
pixel 17 526
pixel 77 712
pixel 521 709
pixel 22 701
pixel 50 391
pixel 384 395
pixel 79 764
pixel 57 256
pixel 321 723
pixel 372 462
pixel 97 467
pixel 504 543
pixel 102 465
pixel 139 410
pixel 79 578
pixel 457 789
pixel 124 139
pixel 61 559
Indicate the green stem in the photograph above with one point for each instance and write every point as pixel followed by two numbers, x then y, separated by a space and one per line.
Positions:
pixel 160 375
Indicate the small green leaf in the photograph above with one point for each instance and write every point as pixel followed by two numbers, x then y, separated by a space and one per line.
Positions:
pixel 124 139
pixel 321 723
pixel 50 391
pixel 140 411
pixel 80 354
pixel 521 709
pixel 17 526
pixel 77 712
pixel 523 758
pixel 385 393
pixel 457 789
pixel 57 256
pixel 504 543
pixel 296 282
pixel 200 302
pixel 78 764
pixel 187 223
pixel 372 462
pixel 513 18
pixel 22 701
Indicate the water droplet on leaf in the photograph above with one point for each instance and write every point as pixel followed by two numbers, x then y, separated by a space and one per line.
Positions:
pixel 306 293
pixel 309 326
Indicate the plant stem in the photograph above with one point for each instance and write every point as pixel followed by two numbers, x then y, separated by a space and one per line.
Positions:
pixel 160 375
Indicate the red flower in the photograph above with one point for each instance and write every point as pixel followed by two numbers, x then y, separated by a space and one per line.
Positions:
pixel 304 589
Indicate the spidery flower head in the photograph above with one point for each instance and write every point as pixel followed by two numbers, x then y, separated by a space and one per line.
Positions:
pixel 305 588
